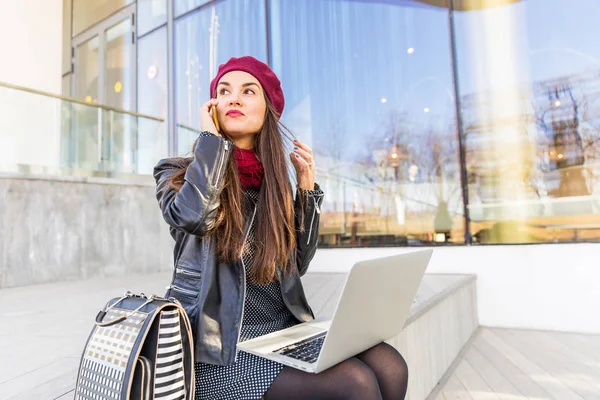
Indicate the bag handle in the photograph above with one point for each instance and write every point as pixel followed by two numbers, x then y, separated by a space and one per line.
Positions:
pixel 102 313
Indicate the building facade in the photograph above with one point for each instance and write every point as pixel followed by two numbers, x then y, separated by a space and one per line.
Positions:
pixel 382 91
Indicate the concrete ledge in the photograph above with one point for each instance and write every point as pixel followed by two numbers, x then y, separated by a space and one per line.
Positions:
pixel 441 321
pixel 447 285
pixel 83 176
pixel 436 335
pixel 43 328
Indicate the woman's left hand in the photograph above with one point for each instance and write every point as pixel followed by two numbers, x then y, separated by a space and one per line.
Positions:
pixel 302 159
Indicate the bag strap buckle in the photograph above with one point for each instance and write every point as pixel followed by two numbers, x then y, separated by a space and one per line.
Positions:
pixel 102 313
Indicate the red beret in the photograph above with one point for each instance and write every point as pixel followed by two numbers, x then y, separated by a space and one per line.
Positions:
pixel 258 69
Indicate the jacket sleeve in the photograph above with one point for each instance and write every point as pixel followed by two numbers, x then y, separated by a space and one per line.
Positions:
pixel 193 209
pixel 309 202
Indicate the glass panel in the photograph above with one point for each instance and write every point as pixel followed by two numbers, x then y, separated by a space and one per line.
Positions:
pixel 207 38
pixel 151 14
pixel 374 100
pixel 119 134
pixel 118 83
pixel 71 138
pixel 183 6
pixel 89 12
pixel 152 93
pixel 87 56
pixel 81 136
pixel 186 137
pixel 528 76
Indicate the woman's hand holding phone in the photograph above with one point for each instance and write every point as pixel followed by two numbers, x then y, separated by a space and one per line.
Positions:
pixel 208 117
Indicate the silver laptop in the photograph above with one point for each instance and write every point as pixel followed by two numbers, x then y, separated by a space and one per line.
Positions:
pixel 373 307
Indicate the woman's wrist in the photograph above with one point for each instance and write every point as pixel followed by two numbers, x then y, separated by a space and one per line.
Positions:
pixel 316 190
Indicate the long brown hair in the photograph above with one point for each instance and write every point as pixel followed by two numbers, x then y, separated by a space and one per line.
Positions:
pixel 275 238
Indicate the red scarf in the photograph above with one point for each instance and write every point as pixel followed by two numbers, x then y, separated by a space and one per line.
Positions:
pixel 249 166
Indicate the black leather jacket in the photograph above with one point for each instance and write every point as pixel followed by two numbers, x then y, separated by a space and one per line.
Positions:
pixel 213 292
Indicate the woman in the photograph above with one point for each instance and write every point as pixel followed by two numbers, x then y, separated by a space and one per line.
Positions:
pixel 242 243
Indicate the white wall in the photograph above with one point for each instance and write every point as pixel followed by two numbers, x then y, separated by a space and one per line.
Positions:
pixel 31 43
pixel 548 287
pixel 31 48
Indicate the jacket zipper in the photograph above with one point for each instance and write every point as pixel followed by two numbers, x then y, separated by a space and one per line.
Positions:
pixel 221 162
pixel 244 284
pixel 193 274
pixel 316 211
pixel 184 291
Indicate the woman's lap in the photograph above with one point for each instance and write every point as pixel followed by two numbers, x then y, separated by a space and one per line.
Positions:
pixel 377 373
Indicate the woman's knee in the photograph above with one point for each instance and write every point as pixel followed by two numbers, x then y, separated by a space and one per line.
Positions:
pixel 384 356
pixel 358 380
pixel 390 368
pixel 401 365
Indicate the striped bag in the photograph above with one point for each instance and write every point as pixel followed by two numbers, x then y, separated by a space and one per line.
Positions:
pixel 141 348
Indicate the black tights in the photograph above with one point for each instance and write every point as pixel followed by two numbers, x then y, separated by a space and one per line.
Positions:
pixel 379 373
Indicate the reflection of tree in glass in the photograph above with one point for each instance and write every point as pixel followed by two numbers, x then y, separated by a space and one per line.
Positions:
pixel 498 148
pixel 589 130
pixel 419 162
pixel 563 151
pixel 437 158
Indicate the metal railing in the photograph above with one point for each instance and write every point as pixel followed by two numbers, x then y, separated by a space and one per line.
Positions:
pixel 58 135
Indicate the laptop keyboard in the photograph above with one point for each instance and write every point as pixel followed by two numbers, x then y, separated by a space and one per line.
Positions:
pixel 306 350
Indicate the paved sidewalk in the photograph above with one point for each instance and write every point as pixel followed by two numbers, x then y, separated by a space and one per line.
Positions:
pixel 516 364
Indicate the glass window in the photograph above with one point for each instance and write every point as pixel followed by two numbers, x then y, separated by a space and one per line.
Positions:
pixel 87 57
pixel 89 12
pixel 183 6
pixel 528 81
pixel 369 87
pixel 151 14
pixel 204 40
pixel 118 66
pixel 152 98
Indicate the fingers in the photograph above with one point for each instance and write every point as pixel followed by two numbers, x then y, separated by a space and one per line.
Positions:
pixel 304 172
pixel 304 151
pixel 303 146
pixel 302 160
pixel 206 116
pixel 300 164
pixel 305 155
pixel 212 102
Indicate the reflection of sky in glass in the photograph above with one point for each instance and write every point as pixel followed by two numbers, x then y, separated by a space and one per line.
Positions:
pixel 349 66
pixel 183 6
pixel 556 38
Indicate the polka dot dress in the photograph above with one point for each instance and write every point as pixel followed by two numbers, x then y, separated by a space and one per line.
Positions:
pixel 264 312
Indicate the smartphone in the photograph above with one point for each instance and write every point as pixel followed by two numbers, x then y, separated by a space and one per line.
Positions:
pixel 215 119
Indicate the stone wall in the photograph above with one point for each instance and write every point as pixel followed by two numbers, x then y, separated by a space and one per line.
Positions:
pixel 72 228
